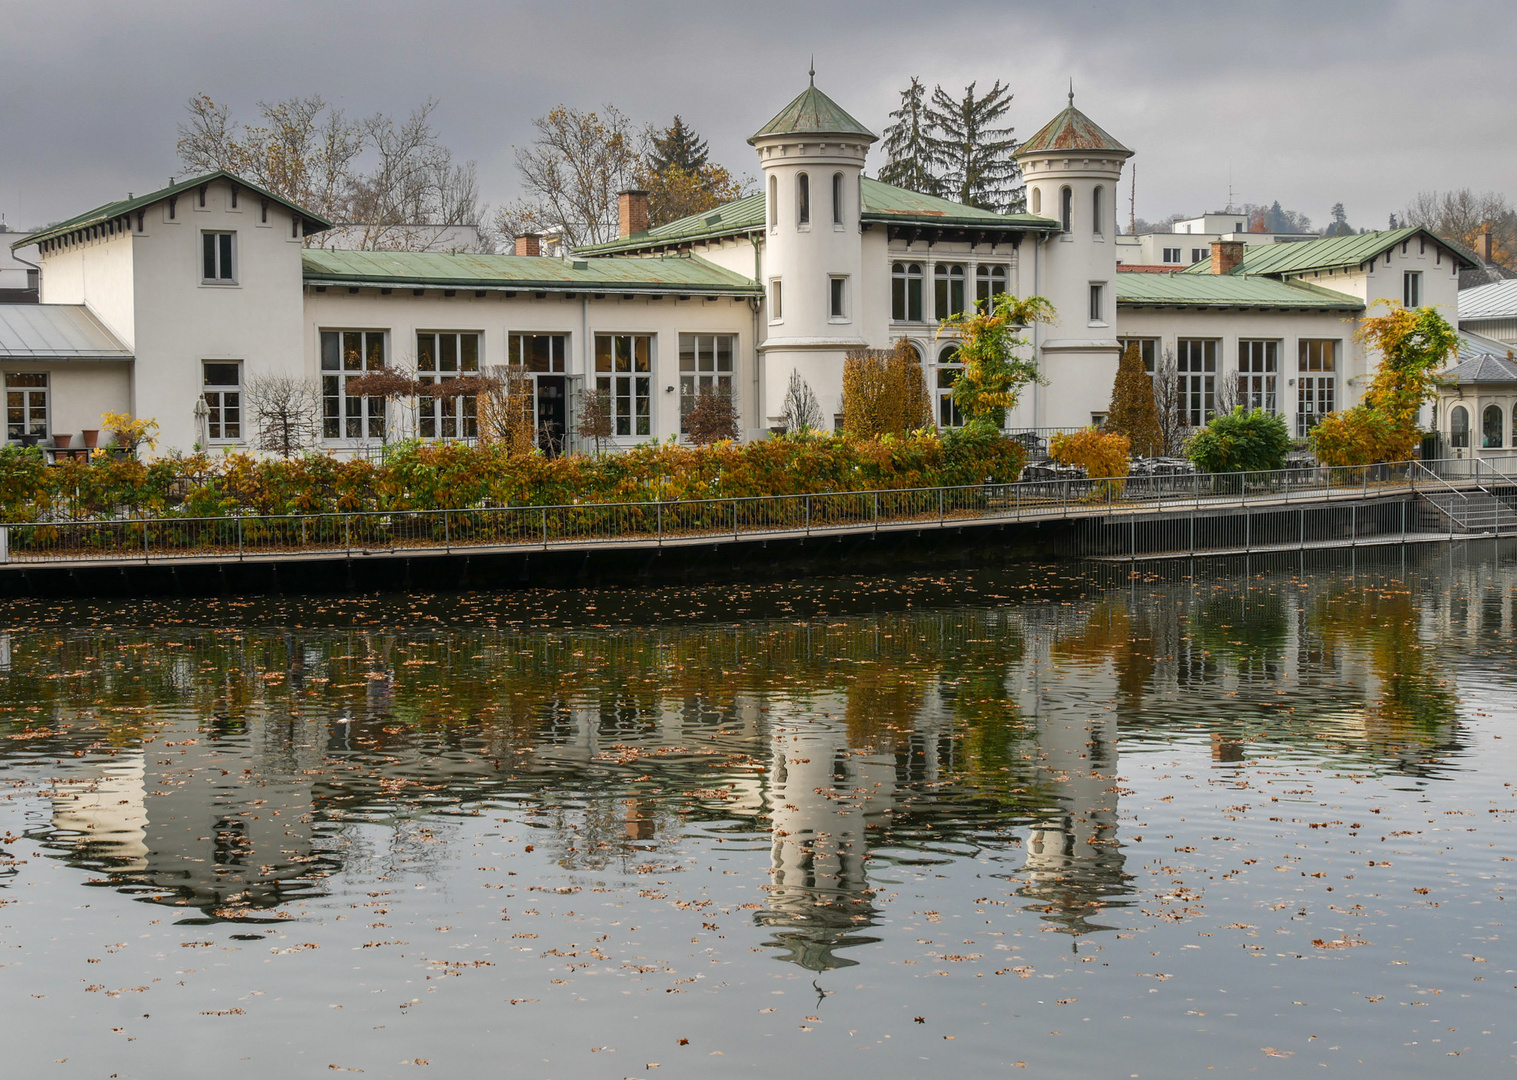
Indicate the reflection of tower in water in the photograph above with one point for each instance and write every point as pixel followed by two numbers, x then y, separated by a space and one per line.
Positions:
pixel 823 795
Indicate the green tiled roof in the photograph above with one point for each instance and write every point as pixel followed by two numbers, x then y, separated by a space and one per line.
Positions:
pixel 1329 253
pixel 314 222
pixel 434 270
pixel 813 113
pixel 1226 291
pixel 882 202
pixel 1072 130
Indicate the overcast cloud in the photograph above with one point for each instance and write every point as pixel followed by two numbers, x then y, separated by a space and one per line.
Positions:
pixel 1310 103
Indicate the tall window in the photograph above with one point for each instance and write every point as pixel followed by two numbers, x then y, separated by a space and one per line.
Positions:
pixel 25 404
pixel 538 353
pixel 1196 369
pixel 837 297
pixel 906 292
pixel 803 199
pixel 989 282
pixel 948 290
pixel 1066 209
pixel 216 251
pixel 1096 211
pixel 1097 301
pixel 705 366
pixel 440 358
pixel 776 300
pixel 948 372
pixel 346 355
pixel 623 369
pixel 1258 368
pixel 774 202
pixel 837 198
pixel 1411 289
pixel 1491 428
pixel 222 389
pixel 1459 427
pixel 1316 382
pixel 1037 200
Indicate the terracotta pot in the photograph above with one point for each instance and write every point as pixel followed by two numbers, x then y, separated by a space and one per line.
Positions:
pixel 91 437
pixel 62 441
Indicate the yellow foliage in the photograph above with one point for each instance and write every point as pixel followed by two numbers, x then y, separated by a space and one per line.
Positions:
pixel 1103 455
pixel 130 432
pixel 884 393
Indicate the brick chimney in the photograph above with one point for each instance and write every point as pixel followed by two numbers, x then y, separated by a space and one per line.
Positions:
pixel 1226 255
pixel 529 244
pixel 631 212
pixel 1483 245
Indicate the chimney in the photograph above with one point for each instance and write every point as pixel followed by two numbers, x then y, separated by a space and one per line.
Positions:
pixel 528 244
pixel 631 212
pixel 1226 255
pixel 1483 245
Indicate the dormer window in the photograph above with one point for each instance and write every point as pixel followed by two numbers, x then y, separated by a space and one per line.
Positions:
pixel 218 248
pixel 803 199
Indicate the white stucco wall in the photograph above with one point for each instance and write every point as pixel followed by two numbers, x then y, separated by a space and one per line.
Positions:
pixel 99 274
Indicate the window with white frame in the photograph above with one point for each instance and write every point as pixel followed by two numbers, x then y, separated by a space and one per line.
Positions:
pixel 1037 200
pixel 1316 382
pixel 803 199
pixel 347 355
pixel 989 282
pixel 1197 254
pixel 774 201
pixel 25 404
pixel 1196 370
pixel 441 358
pixel 222 390
pixel 1066 209
pixel 948 290
pixel 623 370
pixel 1148 350
pixel 1096 210
pixel 776 300
pixel 217 254
pixel 1459 427
pixel 837 298
pixel 948 371
pixel 706 363
pixel 906 292
pixel 1097 301
pixel 538 353
pixel 1172 255
pixel 1258 370
pixel 837 198
pixel 1411 289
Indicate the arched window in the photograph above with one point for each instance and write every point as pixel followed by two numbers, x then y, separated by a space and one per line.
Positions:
pixel 989 281
pixel 1095 211
pixel 1459 427
pixel 1491 428
pixel 948 290
pixel 1066 209
pixel 948 371
pixel 803 199
pixel 1037 200
pixel 906 292
pixel 774 202
pixel 837 198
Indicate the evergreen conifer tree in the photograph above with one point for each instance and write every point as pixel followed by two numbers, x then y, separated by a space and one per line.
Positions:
pixel 677 148
pixel 908 144
pixel 1133 411
pixel 975 155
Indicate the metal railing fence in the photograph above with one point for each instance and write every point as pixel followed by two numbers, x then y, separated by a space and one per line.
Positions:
pixel 382 531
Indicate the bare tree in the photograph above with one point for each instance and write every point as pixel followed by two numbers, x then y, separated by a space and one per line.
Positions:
pixel 286 413
pixel 1463 215
pixel 800 411
pixel 506 413
pixel 1169 406
pixel 594 417
pixel 572 172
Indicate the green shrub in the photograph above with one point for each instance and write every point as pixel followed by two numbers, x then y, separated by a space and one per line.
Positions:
pixel 1240 441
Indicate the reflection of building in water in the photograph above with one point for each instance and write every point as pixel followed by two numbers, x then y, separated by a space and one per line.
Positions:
pixel 823 794
pixel 201 821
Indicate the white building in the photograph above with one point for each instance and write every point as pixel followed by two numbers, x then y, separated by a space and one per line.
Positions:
pixel 155 303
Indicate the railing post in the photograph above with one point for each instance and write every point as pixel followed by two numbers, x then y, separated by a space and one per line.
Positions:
pixel 239 537
pixel 658 522
pixel 940 501
pixel 347 535
pixel 447 537
pixel 5 543
pixel 808 513
pixel 145 556
pixel 544 513
pixel 734 519
pixel 876 500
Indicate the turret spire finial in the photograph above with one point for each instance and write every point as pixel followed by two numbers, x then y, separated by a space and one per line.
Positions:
pixel 813 69
pixel 1071 92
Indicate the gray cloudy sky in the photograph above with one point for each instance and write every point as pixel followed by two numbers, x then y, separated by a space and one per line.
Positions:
pixel 1306 102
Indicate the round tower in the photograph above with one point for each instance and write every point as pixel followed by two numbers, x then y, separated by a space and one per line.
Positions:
pixel 1073 169
pixel 812 155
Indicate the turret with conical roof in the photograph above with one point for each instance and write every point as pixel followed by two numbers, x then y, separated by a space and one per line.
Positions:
pixel 812 154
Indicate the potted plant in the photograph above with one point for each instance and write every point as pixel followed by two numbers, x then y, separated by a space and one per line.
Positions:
pixel 130 432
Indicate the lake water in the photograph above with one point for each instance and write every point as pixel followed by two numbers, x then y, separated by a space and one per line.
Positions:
pixel 1064 821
